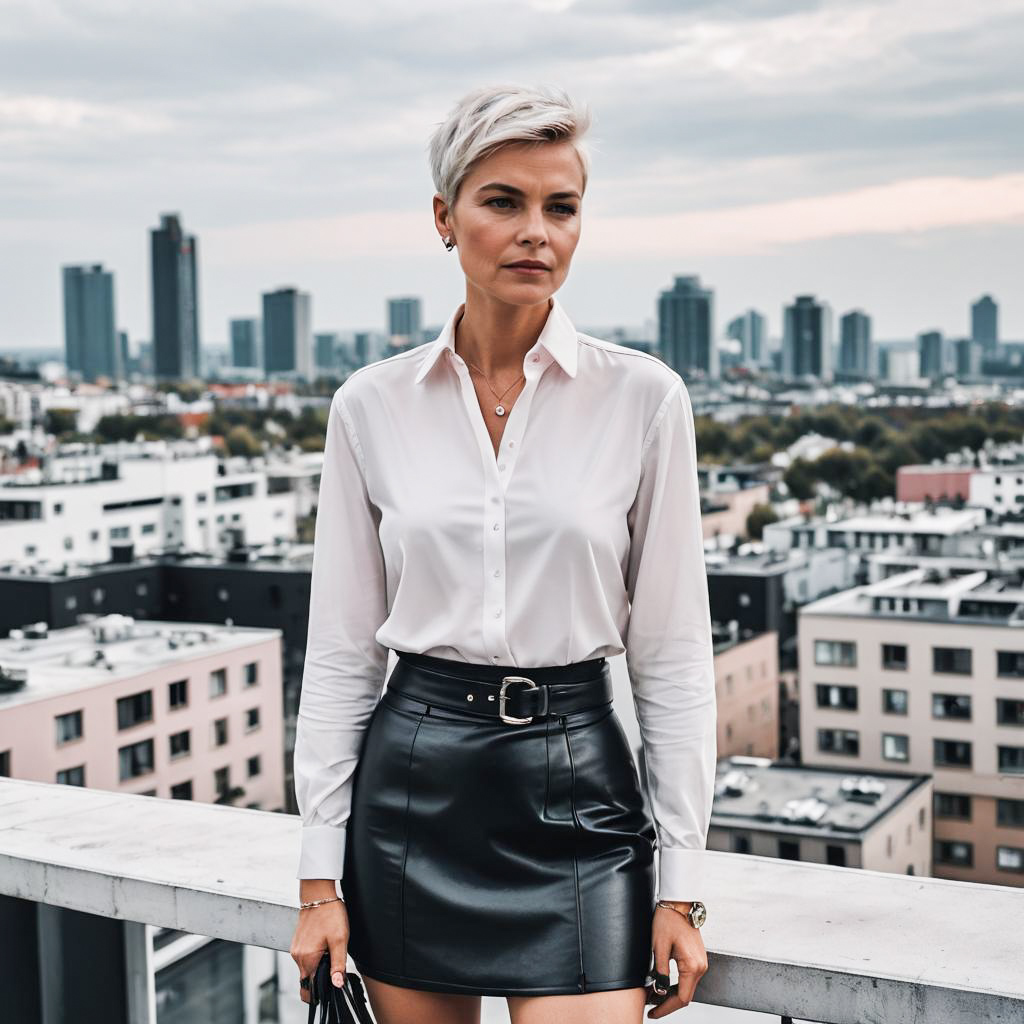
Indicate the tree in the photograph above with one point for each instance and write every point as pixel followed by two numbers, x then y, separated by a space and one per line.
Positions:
pixel 759 517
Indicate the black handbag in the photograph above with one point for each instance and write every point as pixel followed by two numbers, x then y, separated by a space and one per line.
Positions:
pixel 345 1005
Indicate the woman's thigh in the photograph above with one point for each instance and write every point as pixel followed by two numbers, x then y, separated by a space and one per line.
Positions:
pixel 620 1006
pixel 392 1004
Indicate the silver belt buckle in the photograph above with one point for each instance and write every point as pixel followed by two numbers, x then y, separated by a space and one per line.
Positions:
pixel 503 699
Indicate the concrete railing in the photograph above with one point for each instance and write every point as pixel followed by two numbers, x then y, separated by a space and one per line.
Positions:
pixel 809 941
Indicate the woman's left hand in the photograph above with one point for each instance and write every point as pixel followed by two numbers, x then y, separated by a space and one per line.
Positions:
pixel 674 938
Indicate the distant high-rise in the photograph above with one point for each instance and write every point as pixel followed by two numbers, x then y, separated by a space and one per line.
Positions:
pixel 91 345
pixel 325 350
pixel 686 327
pixel 930 354
pixel 967 354
pixel 807 339
pixel 175 300
pixel 362 348
pixel 985 324
pixel 855 344
pixel 287 333
pixel 405 319
pixel 246 344
pixel 748 330
pixel 125 350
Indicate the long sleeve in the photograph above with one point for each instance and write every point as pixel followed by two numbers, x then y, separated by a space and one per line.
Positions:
pixel 345 666
pixel 669 652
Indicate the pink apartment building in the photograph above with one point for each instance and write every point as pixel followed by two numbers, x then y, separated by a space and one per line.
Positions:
pixel 184 710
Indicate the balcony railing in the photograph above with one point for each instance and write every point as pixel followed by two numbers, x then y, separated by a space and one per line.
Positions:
pixel 808 941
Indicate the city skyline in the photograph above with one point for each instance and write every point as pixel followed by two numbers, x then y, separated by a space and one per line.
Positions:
pixel 860 152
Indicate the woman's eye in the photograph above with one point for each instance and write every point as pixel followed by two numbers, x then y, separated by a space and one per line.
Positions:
pixel 499 199
pixel 563 208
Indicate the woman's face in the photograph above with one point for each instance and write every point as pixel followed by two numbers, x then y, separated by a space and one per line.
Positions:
pixel 522 202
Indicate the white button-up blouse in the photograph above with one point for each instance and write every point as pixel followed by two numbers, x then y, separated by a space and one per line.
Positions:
pixel 581 539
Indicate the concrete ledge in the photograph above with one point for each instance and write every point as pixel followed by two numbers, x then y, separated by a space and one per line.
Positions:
pixel 816 942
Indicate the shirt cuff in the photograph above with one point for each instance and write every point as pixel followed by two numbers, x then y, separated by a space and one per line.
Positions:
pixel 322 852
pixel 682 875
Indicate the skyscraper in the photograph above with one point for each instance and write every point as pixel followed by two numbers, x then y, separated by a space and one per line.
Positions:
pixel 748 330
pixel 175 300
pixel 807 339
pixel 985 324
pixel 404 320
pixel 91 345
pixel 246 344
pixel 855 344
pixel 931 362
pixel 287 333
pixel 686 327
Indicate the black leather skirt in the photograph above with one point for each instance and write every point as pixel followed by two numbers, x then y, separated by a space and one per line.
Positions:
pixel 499 847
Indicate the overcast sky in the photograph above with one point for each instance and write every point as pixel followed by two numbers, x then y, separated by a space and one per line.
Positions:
pixel 869 153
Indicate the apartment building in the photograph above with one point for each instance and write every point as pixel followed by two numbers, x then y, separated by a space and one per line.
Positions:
pixel 747 692
pixel 924 670
pixel 880 821
pixel 185 711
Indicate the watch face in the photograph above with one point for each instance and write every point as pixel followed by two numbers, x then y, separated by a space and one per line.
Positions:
pixel 700 915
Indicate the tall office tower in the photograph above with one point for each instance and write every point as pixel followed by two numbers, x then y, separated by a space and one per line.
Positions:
pixel 90 337
pixel 967 354
pixel 325 350
pixel 855 344
pixel 749 329
pixel 985 324
pixel 405 319
pixel 246 344
pixel 686 327
pixel 125 350
pixel 175 300
pixel 930 356
pixel 807 339
pixel 362 347
pixel 287 333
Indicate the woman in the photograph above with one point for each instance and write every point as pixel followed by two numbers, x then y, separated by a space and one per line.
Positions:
pixel 505 508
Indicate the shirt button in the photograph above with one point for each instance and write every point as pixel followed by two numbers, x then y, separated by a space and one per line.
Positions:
pixel 511 444
pixel 535 358
pixel 494 657
pixel 497 614
pixel 496 526
pixel 497 572
pixel 494 499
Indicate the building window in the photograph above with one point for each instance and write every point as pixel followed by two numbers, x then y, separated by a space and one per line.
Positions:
pixel 1010 663
pixel 5 764
pixel 253 765
pixel 843 698
pixel 178 694
pixel 954 660
pixel 252 719
pixel 135 759
pixel 951 753
pixel 72 776
pixel 222 780
pixel 894 702
pixel 953 805
pixel 135 709
pixel 1009 858
pixel 218 682
pixel 835 652
pixel 740 844
pixel 895 747
pixel 250 674
pixel 789 849
pixel 839 741
pixel 220 732
pixel 182 791
pixel 1009 712
pixel 951 705
pixel 894 656
pixel 180 744
pixel 954 852
pixel 835 855
pixel 1011 759
pixel 1010 813
pixel 69 727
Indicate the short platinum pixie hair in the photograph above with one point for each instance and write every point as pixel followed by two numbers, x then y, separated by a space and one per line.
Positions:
pixel 496 115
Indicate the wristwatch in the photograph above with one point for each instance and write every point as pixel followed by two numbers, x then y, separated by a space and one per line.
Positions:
pixel 696 915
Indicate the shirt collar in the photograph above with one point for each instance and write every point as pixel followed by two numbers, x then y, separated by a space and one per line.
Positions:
pixel 558 337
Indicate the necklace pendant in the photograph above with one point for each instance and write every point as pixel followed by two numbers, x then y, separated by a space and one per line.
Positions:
pixel 500 410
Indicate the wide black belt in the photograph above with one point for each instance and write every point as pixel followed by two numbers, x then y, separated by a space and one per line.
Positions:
pixel 514 695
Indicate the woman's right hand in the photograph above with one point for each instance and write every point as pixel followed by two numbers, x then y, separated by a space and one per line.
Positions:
pixel 321 928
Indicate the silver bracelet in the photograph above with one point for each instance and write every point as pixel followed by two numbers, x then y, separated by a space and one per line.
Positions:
pixel 316 903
